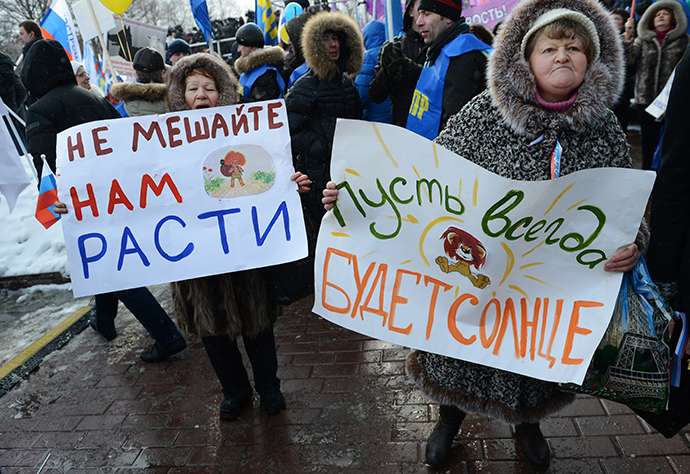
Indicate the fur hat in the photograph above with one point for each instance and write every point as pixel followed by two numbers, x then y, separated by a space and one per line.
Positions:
pixel 451 9
pixel 351 45
pixel 226 83
pixel 512 83
pixel 564 13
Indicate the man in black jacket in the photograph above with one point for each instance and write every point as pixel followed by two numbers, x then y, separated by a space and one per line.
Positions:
pixel 62 104
pixel 399 65
pixel 454 70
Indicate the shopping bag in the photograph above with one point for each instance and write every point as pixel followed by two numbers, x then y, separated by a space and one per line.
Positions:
pixel 677 413
pixel 631 363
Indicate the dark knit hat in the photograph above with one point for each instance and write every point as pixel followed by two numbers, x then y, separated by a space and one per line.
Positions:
pixel 179 46
pixel 451 9
pixel 148 60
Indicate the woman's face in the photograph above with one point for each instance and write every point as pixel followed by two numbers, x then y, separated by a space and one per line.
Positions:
pixel 83 78
pixel 558 65
pixel 619 21
pixel 200 91
pixel 663 20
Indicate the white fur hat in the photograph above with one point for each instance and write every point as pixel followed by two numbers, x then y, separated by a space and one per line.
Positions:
pixel 558 13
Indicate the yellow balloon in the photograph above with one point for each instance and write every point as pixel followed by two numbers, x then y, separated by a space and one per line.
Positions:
pixel 118 7
pixel 284 37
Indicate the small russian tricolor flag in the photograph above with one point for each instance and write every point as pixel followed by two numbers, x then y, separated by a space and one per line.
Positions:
pixel 47 197
pixel 58 24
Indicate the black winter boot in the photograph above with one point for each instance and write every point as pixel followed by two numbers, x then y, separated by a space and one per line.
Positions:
pixel 534 446
pixel 441 439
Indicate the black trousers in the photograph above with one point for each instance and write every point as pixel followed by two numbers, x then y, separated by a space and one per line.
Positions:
pixel 226 360
pixel 650 131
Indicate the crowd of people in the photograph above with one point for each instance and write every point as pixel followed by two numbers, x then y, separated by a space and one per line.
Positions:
pixel 555 75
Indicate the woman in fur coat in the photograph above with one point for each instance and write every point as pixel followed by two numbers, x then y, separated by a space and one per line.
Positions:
pixel 660 43
pixel 220 308
pixel 556 67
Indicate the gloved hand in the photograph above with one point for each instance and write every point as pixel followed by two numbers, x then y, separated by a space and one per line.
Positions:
pixel 393 62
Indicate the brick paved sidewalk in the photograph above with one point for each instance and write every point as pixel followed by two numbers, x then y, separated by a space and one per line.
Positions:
pixel 95 407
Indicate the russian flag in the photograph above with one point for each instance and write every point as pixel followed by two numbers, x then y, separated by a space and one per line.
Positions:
pixel 58 24
pixel 47 197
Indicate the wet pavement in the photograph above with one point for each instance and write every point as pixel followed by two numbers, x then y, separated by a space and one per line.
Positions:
pixel 95 407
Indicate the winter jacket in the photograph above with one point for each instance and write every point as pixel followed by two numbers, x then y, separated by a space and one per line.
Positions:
pixel 374 36
pixel 466 74
pixel 140 99
pixel 669 248
pixel 232 304
pixel 656 62
pixel 492 130
pixel 61 104
pixel 266 86
pixel 295 57
pixel 398 81
pixel 323 95
pixel 7 82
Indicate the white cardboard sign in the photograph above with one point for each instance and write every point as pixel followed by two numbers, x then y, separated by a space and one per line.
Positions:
pixel 430 251
pixel 170 197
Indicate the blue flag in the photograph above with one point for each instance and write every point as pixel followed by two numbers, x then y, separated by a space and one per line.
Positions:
pixel 203 21
pixel 266 20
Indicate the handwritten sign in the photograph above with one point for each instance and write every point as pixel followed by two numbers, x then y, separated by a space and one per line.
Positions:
pixel 165 198
pixel 427 250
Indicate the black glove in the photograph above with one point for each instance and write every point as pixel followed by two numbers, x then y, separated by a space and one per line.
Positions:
pixel 394 63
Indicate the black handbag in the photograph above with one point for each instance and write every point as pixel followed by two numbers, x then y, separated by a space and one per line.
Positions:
pixel 293 281
pixel 677 413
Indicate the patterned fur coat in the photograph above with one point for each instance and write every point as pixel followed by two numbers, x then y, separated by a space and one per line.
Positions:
pixel 232 304
pixel 655 62
pixel 492 131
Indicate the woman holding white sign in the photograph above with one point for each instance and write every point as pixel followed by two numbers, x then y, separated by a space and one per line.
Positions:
pixel 556 67
pixel 220 308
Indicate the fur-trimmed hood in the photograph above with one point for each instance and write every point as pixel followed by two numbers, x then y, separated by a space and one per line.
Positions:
pixel 268 56
pixel 645 29
pixel 351 45
pixel 225 81
pixel 137 91
pixel 512 84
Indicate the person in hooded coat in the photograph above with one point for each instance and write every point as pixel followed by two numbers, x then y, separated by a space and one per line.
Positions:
pixel 221 308
pixel 48 75
pixel 493 131
pixel 394 75
pixel 258 66
pixel 333 48
pixel 374 36
pixel 575 40
pixel 294 66
pixel 63 104
pixel 660 43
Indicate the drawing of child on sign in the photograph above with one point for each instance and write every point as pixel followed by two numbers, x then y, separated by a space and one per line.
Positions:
pixel 241 170
pixel 231 166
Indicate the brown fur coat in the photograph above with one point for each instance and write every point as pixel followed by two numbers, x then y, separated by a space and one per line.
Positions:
pixel 655 62
pixel 232 304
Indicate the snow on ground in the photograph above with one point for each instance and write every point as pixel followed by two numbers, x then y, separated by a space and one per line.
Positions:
pixel 27 248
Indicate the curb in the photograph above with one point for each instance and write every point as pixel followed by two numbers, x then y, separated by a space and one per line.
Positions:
pixel 22 365
pixel 24 281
